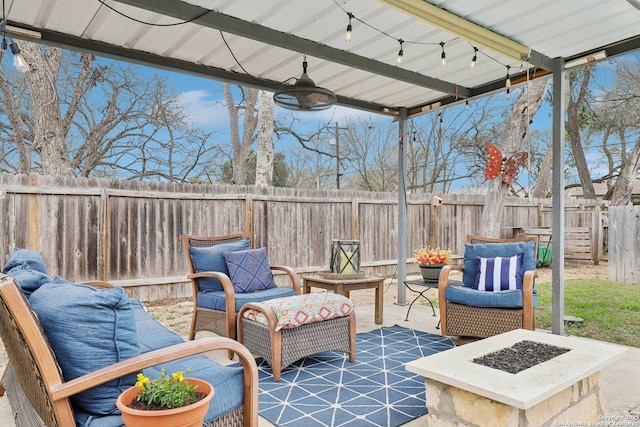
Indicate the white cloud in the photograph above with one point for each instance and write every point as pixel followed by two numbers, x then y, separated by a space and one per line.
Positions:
pixel 331 115
pixel 203 109
pixel 206 111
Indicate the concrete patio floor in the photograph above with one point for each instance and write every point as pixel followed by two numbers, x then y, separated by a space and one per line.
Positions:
pixel 618 382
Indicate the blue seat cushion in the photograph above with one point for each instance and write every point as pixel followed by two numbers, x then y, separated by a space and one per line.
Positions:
pixel 490 250
pixel 211 258
pixel 88 328
pixel 249 270
pixel 227 380
pixel 217 300
pixel 475 298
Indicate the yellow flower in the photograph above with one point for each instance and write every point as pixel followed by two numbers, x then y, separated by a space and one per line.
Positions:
pixel 167 391
pixel 178 376
pixel 142 380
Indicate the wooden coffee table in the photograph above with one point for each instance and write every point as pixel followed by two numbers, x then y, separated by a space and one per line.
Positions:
pixel 343 287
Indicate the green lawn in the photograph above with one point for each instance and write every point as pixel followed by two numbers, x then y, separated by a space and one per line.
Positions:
pixel 611 310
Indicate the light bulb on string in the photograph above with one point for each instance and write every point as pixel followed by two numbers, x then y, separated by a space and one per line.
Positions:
pixel 472 64
pixel 400 53
pixel 507 82
pixel 347 36
pixel 3 47
pixel 443 56
pixel 18 60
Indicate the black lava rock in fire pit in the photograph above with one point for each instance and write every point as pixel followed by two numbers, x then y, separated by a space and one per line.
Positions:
pixel 520 356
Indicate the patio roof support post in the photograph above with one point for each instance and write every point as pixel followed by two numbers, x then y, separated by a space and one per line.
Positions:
pixel 557 274
pixel 402 207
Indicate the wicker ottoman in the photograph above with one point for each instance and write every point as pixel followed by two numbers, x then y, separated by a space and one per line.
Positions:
pixel 284 330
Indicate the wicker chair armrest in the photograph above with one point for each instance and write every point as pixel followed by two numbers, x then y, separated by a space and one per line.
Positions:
pixel 217 274
pixel 272 319
pixel 293 276
pixel 155 357
pixel 227 286
pixel 443 280
pixel 528 281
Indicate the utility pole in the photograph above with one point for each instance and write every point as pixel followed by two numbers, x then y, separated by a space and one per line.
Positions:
pixel 337 143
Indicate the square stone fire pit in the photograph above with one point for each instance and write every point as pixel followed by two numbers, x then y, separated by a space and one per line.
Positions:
pixel 564 388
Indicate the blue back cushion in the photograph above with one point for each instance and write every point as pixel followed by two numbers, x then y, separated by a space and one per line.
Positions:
pixel 490 250
pixel 88 328
pixel 499 273
pixel 28 269
pixel 211 258
pixel 249 270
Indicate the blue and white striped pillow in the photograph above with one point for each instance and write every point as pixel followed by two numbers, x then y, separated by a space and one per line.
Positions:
pixel 499 273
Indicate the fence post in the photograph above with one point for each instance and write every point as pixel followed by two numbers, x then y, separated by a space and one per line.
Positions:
pixel 103 241
pixel 34 220
pixel 249 216
pixel 355 219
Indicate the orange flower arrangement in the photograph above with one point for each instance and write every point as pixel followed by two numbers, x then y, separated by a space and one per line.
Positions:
pixel 428 255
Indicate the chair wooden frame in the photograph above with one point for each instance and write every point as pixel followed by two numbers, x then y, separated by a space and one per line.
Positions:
pixel 222 323
pixel 481 322
pixel 37 372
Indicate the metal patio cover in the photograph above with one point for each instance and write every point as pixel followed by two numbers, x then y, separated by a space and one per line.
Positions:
pixel 269 38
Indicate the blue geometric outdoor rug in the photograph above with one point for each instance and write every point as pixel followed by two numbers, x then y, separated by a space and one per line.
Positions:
pixel 375 390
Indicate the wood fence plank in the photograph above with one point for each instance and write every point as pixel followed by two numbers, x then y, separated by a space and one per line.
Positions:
pixel 125 231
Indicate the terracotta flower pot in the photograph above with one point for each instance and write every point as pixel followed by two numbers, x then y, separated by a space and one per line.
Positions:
pixel 431 272
pixel 186 416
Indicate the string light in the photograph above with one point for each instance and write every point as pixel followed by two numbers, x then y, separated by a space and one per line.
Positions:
pixel 18 60
pixel 466 104
pixel 400 56
pixel 475 57
pixel 400 52
pixel 347 36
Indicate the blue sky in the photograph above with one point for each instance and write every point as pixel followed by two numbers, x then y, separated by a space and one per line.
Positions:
pixel 203 100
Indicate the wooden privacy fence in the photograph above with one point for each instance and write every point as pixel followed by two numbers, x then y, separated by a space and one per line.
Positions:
pixel 583 234
pixel 129 232
pixel 624 244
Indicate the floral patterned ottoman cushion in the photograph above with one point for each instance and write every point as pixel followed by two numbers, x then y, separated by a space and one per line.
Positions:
pixel 294 311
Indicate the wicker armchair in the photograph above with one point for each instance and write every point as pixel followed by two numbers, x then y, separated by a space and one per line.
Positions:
pixel 223 322
pixel 472 320
pixel 40 396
